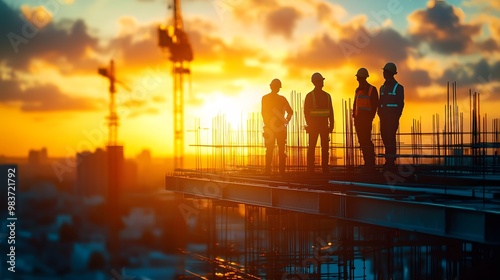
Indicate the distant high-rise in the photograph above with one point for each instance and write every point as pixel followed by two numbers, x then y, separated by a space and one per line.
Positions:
pixel 37 157
pixel 92 173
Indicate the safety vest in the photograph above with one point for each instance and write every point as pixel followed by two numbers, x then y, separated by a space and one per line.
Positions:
pixel 363 101
pixel 319 112
pixel 388 99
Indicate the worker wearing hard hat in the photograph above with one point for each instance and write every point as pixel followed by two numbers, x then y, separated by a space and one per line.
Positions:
pixel 390 108
pixel 364 110
pixel 274 107
pixel 318 111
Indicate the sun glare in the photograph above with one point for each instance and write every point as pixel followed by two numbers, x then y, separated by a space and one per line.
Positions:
pixel 233 109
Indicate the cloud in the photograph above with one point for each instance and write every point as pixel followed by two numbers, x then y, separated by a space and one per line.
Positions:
pixel 136 45
pixel 358 48
pixel 487 5
pixel 469 74
pixel 492 24
pixel 218 59
pixel 412 80
pixel 44 98
pixel 489 46
pixel 441 26
pixel 326 11
pixel 67 42
pixel 249 11
pixel 481 76
pixel 38 16
pixel 273 17
pixel 282 21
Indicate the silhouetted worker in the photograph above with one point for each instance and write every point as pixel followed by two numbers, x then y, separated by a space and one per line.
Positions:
pixel 318 111
pixel 391 106
pixel 274 107
pixel 364 110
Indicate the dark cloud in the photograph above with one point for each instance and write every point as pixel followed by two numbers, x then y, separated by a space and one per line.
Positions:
pixel 282 21
pixel 21 42
pixel 480 76
pixel 11 22
pixel 231 57
pixel 139 49
pixel 413 79
pixel 440 26
pixel 470 74
pixel 357 46
pixel 489 46
pixel 44 98
pixel 321 52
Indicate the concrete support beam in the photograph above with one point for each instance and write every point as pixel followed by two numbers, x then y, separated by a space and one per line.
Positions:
pixel 464 223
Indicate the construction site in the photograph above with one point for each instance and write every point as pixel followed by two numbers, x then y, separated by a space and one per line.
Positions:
pixel 436 216
pixel 200 200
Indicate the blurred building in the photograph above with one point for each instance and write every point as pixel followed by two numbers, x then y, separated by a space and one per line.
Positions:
pixel 38 157
pixel 92 173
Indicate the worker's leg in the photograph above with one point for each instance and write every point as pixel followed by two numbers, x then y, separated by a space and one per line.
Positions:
pixel 325 155
pixel 313 139
pixel 281 139
pixel 270 139
pixel 388 129
pixel 364 132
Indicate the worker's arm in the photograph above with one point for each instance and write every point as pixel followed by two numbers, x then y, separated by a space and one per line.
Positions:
pixel 307 109
pixel 289 111
pixel 374 101
pixel 401 98
pixel 330 117
pixel 265 112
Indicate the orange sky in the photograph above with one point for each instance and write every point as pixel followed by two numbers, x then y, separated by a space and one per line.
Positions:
pixel 51 95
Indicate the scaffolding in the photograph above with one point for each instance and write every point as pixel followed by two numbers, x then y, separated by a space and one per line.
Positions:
pixel 448 146
pixel 269 243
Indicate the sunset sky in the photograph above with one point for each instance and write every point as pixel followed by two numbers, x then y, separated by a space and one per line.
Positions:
pixel 51 95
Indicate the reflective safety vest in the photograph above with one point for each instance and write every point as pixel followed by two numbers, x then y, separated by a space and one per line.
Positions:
pixel 388 99
pixel 320 112
pixel 363 101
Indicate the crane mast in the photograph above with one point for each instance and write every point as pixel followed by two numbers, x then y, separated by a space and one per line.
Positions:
pixel 109 72
pixel 175 40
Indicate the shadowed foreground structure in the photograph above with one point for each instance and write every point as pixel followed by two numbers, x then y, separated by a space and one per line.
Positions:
pixel 328 227
pixel 435 216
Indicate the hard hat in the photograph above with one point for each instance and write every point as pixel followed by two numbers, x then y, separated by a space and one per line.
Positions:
pixel 276 82
pixel 316 77
pixel 390 67
pixel 363 73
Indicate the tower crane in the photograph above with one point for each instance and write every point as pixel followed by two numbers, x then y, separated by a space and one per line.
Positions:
pixel 175 40
pixel 109 72
pixel 114 165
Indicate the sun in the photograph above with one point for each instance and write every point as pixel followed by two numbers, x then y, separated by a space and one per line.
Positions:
pixel 232 109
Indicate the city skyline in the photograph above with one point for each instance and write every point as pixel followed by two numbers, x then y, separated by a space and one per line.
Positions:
pixel 52 92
